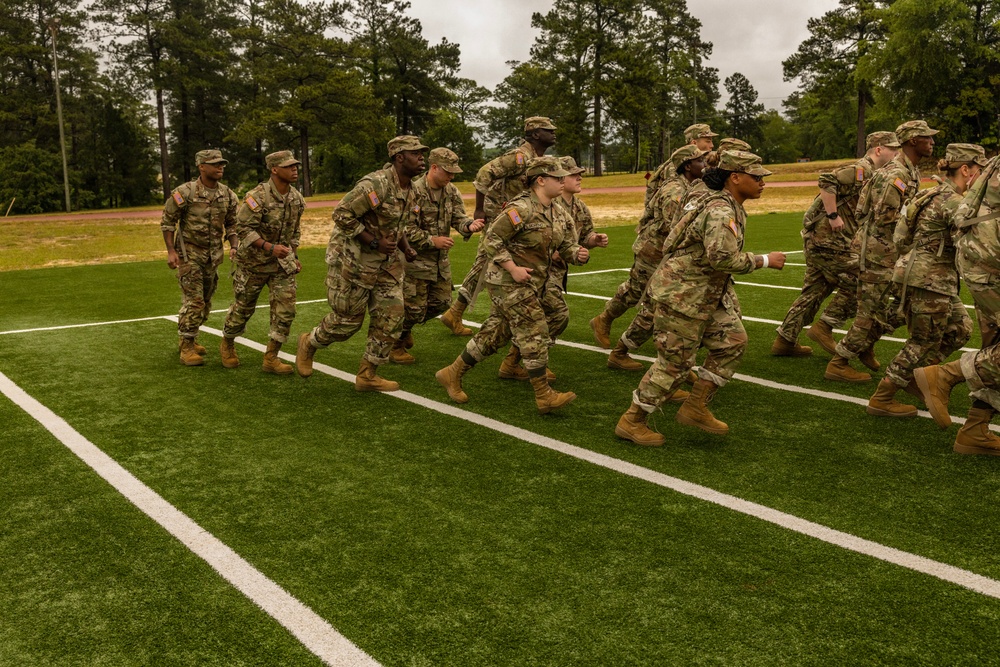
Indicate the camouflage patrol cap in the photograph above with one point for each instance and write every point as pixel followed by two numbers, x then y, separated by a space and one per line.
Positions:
pixel 965 153
pixel 887 139
pixel 698 131
pixel 742 162
pixel 209 157
pixel 545 166
pixel 685 154
pixel 538 123
pixel 405 142
pixel 446 159
pixel 913 128
pixel 280 159
pixel 569 165
pixel 731 144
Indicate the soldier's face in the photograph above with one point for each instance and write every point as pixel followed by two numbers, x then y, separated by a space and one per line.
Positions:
pixel 212 172
pixel 412 163
pixel 751 187
pixel 704 144
pixel 573 184
pixel 696 168
pixel 545 137
pixel 287 174
pixel 883 155
pixel 439 177
pixel 924 146
pixel 552 186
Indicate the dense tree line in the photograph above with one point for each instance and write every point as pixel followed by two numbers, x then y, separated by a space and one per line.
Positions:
pixel 147 83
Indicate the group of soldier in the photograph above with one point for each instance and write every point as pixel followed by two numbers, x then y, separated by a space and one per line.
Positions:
pixel 891 253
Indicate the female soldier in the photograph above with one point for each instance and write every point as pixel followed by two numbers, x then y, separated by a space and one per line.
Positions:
pixel 520 243
pixel 935 316
pixel 694 301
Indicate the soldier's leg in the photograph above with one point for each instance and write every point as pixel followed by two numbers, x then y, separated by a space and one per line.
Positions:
pixel 556 311
pixel 957 330
pixel 385 309
pixel 247 287
pixel 283 292
pixel 844 304
pixel 927 314
pixel 348 304
pixel 987 300
pixel 472 278
pixel 414 302
pixel 438 298
pixel 192 277
pixel 678 338
pixel 866 325
pixel 640 329
pixel 726 341
pixel 630 292
pixel 815 289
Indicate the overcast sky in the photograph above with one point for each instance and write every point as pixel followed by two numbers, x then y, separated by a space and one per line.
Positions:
pixel 749 37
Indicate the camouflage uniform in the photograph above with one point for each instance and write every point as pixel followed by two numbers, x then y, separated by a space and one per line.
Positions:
pixel 361 279
pixel 668 169
pixel 579 225
pixel 882 199
pixel 427 285
pixel 935 315
pixel 694 301
pixel 266 214
pixel 203 217
pixel 527 232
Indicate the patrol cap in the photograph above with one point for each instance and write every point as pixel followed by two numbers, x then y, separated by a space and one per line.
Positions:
pixel 913 128
pixel 405 142
pixel 685 154
pixel 446 159
pixel 209 157
pixel 538 123
pixel 731 144
pixel 742 162
pixel 569 165
pixel 698 131
pixel 964 153
pixel 280 159
pixel 546 166
pixel 887 139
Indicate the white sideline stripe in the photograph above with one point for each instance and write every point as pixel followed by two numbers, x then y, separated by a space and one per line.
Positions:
pixel 942 571
pixel 592 273
pixel 315 633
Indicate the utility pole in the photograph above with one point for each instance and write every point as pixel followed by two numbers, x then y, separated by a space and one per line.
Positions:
pixel 54 29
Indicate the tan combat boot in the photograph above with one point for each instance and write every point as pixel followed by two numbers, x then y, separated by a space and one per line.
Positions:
pixel 198 349
pixel 883 402
pixel 368 379
pixel 679 396
pixel 547 399
pixel 974 437
pixel 632 426
pixel 784 348
pixel 619 359
pixel 452 318
pixel 399 355
pixel 936 383
pixel 407 340
pixel 840 369
pixel 601 326
pixel 822 333
pixel 304 356
pixel 913 390
pixel 511 368
pixel 695 412
pixel 188 356
pixel 868 359
pixel 272 364
pixel 227 350
pixel 450 377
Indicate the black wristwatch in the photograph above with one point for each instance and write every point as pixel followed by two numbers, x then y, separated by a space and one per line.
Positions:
pixel 831 216
pixel 373 244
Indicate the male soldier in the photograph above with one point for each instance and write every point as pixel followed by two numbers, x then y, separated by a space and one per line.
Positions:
pixel 828 228
pixel 698 135
pixel 205 211
pixel 427 284
pixel 268 226
pixel 881 201
pixel 498 182
pixel 365 268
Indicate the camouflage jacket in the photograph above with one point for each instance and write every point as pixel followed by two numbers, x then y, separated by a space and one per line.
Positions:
pixel 380 206
pixel 266 214
pixel 696 277
pixel 579 225
pixel 882 200
pixel 661 175
pixel 437 212
pixel 502 179
pixel 978 246
pixel 845 184
pixel 665 207
pixel 929 262
pixel 205 217
pixel 528 232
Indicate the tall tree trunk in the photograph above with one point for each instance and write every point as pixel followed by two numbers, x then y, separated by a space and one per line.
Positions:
pixel 862 106
pixel 185 147
pixel 161 129
pixel 598 130
pixel 635 144
pixel 304 150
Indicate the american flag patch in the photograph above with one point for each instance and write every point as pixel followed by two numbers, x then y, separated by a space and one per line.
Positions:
pixel 373 198
pixel 416 209
pixel 514 217
pixel 900 185
pixel 252 203
pixel 178 198
pixel 732 227
pixel 520 158
pixel 859 174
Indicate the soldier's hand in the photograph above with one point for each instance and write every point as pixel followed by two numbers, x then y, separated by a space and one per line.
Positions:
pixel 410 254
pixel 477 225
pixel 442 242
pixel 386 245
pixel 599 240
pixel 232 253
pixel 172 259
pixel 776 260
pixel 583 255
pixel 837 224
pixel 280 251
pixel 520 274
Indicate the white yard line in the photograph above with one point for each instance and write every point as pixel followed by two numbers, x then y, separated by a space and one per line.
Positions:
pixel 942 571
pixel 315 633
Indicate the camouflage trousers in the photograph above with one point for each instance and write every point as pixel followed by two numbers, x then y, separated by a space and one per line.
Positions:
pixel 987 300
pixel 350 301
pixel 678 338
pixel 938 326
pixel 630 292
pixel 247 286
pixel 982 368
pixel 877 317
pixel 826 271
pixel 424 300
pixel 198 278
pixel 516 314
pixel 640 329
pixel 472 278
pixel 554 305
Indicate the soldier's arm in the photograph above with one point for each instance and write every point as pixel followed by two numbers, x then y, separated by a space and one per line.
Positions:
pixel 230 224
pixel 460 220
pixel 722 246
pixel 172 211
pixel 347 216
pixel 417 236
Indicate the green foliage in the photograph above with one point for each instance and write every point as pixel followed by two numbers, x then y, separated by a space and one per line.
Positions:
pixel 742 109
pixel 448 130
pixel 31 175
pixel 778 140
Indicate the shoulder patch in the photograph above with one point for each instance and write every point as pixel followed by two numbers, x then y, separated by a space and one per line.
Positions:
pixel 373 199
pixel 252 203
pixel 520 158
pixel 178 198
pixel 416 209
pixel 859 174
pixel 732 226
pixel 515 218
pixel 899 185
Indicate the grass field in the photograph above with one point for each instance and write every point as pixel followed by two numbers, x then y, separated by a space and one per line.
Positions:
pixel 488 535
